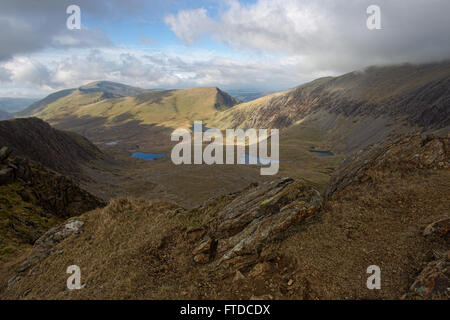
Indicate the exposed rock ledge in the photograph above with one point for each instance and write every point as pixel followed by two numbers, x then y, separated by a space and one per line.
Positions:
pixel 237 233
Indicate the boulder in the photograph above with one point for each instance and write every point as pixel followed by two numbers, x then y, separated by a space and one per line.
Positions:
pixel 45 245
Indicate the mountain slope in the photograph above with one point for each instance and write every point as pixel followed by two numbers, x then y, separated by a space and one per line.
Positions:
pixel 278 239
pixel 355 109
pixel 90 93
pixel 35 139
pixel 34 199
pixel 96 100
pixel 104 115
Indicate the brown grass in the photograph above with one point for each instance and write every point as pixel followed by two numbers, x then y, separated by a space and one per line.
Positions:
pixel 138 249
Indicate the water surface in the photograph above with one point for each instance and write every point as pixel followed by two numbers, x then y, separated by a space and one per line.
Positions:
pixel 322 153
pixel 147 156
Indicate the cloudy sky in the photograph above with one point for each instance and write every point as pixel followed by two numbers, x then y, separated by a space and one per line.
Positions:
pixel 264 45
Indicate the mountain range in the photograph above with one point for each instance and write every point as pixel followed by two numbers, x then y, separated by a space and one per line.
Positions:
pixel 350 111
pixel 364 180
pixel 356 109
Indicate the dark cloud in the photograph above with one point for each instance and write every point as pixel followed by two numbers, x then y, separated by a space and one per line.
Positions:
pixel 326 34
pixel 276 43
pixel 29 26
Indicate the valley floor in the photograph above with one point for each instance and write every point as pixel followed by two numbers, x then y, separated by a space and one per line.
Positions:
pixel 190 185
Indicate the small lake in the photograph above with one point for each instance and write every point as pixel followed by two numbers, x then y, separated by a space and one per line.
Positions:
pixel 147 156
pixel 322 153
pixel 112 143
pixel 260 161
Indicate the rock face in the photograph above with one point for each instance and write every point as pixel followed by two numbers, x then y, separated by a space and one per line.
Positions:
pixel 397 154
pixel 356 109
pixel 45 245
pixel 50 190
pixel 33 199
pixel 434 280
pixel 240 229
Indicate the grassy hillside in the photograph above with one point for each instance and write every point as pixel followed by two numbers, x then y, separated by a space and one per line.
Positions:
pixel 113 107
pixel 92 92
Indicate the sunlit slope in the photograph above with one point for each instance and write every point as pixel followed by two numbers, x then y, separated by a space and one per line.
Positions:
pixel 277 110
pixel 159 107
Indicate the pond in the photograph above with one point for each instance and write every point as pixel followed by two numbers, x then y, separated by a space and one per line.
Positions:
pixel 322 153
pixel 112 143
pixel 147 156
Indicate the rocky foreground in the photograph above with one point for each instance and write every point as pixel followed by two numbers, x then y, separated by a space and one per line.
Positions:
pixel 33 199
pixel 386 206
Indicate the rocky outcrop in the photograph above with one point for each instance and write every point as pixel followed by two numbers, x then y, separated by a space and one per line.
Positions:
pixel 402 154
pixel 356 109
pixel 33 199
pixel 6 172
pixel 45 246
pixel 240 228
pixel 53 192
pixel 434 280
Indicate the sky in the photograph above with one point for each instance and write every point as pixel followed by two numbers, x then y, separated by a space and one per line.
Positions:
pixel 260 45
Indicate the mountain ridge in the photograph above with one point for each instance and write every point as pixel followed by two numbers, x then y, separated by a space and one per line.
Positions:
pixel 35 139
pixel 355 109
pixel 102 117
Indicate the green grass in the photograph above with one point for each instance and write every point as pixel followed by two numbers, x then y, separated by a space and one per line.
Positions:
pixel 170 108
pixel 21 222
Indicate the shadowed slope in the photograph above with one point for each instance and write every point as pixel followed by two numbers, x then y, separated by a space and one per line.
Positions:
pixel 356 109
pixel 37 140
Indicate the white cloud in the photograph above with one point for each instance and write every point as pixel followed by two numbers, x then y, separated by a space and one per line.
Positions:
pixel 327 35
pixel 189 25
pixel 274 44
pixel 29 71
pixel 151 70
